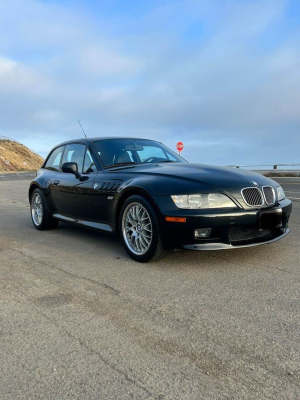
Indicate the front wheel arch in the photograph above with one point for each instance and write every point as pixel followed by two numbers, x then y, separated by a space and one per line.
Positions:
pixel 157 248
pixel 129 193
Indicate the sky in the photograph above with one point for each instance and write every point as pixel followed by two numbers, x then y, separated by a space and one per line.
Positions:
pixel 222 76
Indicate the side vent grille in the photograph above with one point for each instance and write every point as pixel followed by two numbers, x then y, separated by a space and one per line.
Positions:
pixel 108 187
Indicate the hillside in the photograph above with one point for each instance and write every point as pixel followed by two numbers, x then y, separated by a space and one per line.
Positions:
pixel 16 157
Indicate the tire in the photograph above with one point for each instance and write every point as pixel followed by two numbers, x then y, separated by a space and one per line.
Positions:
pixel 140 231
pixel 41 218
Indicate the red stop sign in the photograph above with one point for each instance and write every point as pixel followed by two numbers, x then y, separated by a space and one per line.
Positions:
pixel 179 146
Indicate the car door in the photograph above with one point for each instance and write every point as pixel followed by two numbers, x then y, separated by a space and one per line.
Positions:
pixel 107 183
pixel 106 187
pixel 51 170
pixel 72 196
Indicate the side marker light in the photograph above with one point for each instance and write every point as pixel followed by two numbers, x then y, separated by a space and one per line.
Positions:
pixel 175 219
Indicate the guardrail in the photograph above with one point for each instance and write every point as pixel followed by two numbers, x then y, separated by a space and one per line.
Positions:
pixel 274 166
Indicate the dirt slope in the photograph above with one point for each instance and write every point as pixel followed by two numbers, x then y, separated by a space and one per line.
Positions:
pixel 16 157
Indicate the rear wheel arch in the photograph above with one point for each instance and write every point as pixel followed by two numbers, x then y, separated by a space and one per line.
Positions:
pixel 38 205
pixel 32 188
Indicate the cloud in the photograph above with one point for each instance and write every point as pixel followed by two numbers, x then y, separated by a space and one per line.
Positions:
pixel 17 79
pixel 100 61
pixel 221 76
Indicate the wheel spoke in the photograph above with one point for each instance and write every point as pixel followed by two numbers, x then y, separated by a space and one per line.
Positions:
pixel 138 245
pixel 130 217
pixel 139 213
pixel 134 213
pixel 143 242
pixel 147 228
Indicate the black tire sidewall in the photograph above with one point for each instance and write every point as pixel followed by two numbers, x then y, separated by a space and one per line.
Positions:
pixel 155 228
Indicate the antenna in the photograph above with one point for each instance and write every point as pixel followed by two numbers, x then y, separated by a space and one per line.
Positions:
pixel 82 129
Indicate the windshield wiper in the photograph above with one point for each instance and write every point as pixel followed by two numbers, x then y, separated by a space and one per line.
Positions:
pixel 121 164
pixel 166 161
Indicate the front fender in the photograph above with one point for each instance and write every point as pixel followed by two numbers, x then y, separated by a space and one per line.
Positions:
pixel 130 189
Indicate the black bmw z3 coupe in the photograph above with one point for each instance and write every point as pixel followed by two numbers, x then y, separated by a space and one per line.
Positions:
pixel 155 199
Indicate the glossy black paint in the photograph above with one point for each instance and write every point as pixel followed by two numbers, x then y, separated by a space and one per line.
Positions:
pixel 72 197
pixel 96 201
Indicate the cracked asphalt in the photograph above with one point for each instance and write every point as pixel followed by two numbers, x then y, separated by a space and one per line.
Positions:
pixel 80 320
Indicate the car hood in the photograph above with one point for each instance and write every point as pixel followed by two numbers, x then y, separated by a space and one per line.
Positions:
pixel 186 178
pixel 208 175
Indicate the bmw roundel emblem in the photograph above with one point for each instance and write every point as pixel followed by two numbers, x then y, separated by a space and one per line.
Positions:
pixel 253 183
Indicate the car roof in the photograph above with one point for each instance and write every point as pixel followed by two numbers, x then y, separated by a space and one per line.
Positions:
pixel 94 139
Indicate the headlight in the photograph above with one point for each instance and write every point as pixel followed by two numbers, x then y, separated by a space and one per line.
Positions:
pixel 196 201
pixel 280 193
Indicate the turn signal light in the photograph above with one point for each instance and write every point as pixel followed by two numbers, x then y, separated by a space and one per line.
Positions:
pixel 175 219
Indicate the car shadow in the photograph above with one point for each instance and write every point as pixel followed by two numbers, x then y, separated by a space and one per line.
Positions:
pixel 80 239
pixel 176 259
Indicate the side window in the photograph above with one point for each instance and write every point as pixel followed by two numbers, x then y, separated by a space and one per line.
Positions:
pixel 89 165
pixel 53 161
pixel 75 153
pixel 151 151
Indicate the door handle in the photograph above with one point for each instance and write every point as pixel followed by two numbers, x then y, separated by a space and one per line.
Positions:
pixel 56 182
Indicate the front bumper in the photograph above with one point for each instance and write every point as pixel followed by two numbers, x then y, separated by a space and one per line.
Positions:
pixel 235 229
pixel 224 246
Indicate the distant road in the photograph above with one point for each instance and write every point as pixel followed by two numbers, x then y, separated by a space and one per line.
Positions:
pixel 291 187
pixel 16 176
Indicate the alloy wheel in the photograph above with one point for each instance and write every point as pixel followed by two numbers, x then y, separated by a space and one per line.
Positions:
pixel 37 209
pixel 137 228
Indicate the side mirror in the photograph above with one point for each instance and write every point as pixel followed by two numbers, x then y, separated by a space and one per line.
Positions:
pixel 71 168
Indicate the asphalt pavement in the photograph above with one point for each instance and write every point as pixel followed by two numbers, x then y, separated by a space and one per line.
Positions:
pixel 17 176
pixel 80 320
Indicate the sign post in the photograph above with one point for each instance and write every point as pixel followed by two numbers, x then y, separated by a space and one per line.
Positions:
pixel 179 147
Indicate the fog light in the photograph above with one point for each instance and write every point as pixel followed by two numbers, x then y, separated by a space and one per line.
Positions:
pixel 202 233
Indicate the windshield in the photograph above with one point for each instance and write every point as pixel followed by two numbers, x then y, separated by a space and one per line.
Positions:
pixel 133 151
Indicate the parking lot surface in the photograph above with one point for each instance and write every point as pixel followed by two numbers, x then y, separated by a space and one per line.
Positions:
pixel 81 320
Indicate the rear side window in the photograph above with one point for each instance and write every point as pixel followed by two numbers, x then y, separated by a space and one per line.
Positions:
pixel 75 153
pixel 54 159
